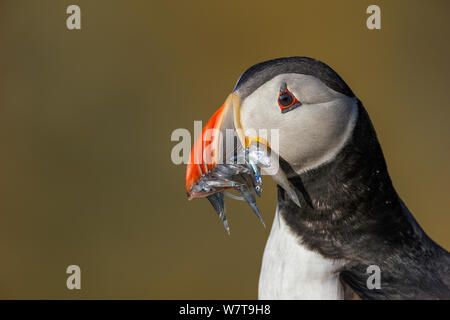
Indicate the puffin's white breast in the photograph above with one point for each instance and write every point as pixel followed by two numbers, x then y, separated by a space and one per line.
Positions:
pixel 291 271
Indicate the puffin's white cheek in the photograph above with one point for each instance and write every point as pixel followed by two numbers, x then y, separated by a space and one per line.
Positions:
pixel 317 134
pixel 259 119
pixel 307 136
pixel 307 139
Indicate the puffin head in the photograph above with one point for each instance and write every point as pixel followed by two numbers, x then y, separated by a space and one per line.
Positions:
pixel 306 102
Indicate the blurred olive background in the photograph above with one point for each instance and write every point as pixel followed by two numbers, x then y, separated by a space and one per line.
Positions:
pixel 86 119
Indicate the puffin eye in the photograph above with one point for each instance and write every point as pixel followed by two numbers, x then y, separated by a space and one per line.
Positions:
pixel 286 100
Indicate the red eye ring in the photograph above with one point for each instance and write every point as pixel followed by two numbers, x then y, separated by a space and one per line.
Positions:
pixel 286 100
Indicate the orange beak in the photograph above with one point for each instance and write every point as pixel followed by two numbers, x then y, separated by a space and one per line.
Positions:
pixel 210 147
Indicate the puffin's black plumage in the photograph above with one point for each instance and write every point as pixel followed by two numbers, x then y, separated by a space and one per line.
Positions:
pixel 350 210
pixel 260 73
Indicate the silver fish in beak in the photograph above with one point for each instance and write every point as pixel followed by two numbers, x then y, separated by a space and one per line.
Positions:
pixel 223 159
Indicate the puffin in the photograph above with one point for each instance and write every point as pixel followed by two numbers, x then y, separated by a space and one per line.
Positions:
pixel 338 214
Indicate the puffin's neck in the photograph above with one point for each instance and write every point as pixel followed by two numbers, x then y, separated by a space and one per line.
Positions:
pixel 350 196
pixel 350 218
pixel 302 259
